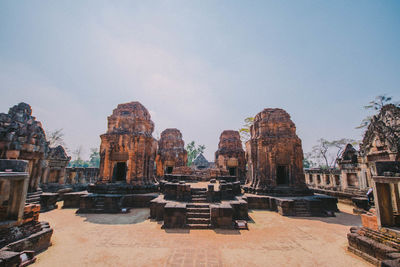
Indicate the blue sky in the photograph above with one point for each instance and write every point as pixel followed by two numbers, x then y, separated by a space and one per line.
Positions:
pixel 199 66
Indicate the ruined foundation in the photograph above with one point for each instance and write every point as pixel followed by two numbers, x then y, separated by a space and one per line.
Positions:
pixel 21 233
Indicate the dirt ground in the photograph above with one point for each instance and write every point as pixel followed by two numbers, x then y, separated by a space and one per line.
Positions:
pixel 133 240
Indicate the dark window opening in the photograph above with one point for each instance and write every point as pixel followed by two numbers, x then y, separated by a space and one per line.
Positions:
pixel 311 178
pixel 318 179
pixel 337 179
pixel 232 171
pixel 327 180
pixel 119 172
pixel 169 170
pixel 282 175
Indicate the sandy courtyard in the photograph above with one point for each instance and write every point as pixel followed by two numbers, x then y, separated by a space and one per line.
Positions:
pixel 133 240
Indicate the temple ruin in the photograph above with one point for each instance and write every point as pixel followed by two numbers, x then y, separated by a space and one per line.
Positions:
pixel 230 155
pixel 275 177
pixel 57 162
pixel 171 152
pixel 349 182
pixel 275 155
pixel 378 240
pixel 22 235
pixel 22 137
pixel 128 149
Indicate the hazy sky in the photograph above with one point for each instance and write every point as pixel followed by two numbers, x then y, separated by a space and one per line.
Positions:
pixel 199 66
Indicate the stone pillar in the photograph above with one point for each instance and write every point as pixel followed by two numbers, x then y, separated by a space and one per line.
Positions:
pixel 343 180
pixel 16 201
pixel 61 176
pixel 383 202
pixel 396 196
pixel 45 176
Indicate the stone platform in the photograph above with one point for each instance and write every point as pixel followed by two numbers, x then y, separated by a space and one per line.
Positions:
pixel 192 215
pixel 113 203
pixel 302 206
pixel 28 237
pixel 199 205
pixel 381 248
pixel 113 197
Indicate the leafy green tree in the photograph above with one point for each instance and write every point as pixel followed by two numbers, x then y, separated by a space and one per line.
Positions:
pixel 245 130
pixel 94 158
pixel 307 161
pixel 194 151
pixel 376 105
pixel 78 161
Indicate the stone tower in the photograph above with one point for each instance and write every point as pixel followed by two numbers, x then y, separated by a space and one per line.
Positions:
pixel 230 154
pixel 275 155
pixel 22 137
pixel 171 152
pixel 128 149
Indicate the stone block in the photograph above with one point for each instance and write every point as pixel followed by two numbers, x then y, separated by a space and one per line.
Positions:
pixel 72 200
pixel 285 207
pixel 48 201
pixel 258 202
pixel 137 200
pixel 175 215
pixel 222 216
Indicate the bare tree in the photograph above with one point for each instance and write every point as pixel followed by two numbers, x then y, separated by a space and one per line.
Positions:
pixel 326 153
pixel 78 153
pixel 56 138
pixel 376 105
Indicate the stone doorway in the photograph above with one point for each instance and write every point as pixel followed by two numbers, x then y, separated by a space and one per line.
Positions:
pixel 169 169
pixel 232 171
pixel 282 175
pixel 119 172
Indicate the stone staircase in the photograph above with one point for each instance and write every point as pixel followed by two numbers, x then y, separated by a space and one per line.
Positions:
pixel 199 195
pixel 99 205
pixel 34 197
pixel 301 208
pixel 198 216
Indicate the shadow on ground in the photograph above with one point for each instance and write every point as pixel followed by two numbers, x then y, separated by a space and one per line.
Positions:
pixel 341 218
pixel 226 231
pixel 134 216
pixel 177 231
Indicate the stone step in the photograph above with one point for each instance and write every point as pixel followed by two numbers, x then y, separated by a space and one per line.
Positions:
pixel 33 200
pixel 33 195
pixel 379 236
pixel 199 226
pixel 303 214
pixel 198 189
pixel 199 199
pixel 198 210
pixel 301 209
pixel 198 220
pixel 198 215
pixel 195 205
